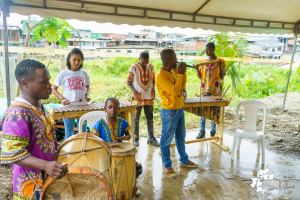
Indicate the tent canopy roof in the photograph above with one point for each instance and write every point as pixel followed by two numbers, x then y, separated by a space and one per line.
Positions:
pixel 255 16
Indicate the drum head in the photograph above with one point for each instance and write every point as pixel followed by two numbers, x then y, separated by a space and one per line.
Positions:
pixel 84 186
pixel 123 149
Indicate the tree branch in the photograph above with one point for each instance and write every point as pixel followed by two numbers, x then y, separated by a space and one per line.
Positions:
pixel 38 23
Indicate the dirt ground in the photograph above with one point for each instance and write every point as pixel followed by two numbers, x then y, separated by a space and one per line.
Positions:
pixel 282 132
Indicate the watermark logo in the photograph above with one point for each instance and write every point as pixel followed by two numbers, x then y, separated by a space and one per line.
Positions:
pixel 266 180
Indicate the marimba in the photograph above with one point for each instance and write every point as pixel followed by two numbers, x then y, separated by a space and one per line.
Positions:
pixel 75 112
pixel 211 109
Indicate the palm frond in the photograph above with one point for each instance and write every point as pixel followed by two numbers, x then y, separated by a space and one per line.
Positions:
pixel 237 48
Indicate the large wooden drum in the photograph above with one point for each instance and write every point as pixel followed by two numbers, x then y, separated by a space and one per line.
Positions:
pixel 89 165
pixel 123 170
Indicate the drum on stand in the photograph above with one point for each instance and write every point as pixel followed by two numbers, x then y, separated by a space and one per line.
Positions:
pixel 88 161
pixel 123 170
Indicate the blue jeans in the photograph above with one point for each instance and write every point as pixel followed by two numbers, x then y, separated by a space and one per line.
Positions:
pixel 203 120
pixel 172 123
pixel 202 124
pixel 69 127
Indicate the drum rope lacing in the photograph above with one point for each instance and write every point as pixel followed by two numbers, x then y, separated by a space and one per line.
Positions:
pixel 83 154
pixel 132 181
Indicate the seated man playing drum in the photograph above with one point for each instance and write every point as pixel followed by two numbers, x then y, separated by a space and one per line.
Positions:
pixel 28 138
pixel 113 129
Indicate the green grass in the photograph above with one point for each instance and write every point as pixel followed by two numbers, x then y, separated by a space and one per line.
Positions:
pixel 108 79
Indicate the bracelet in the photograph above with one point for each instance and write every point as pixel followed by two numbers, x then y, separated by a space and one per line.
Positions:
pixel 62 99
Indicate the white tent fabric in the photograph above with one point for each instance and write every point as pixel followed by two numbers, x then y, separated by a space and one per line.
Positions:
pixel 255 16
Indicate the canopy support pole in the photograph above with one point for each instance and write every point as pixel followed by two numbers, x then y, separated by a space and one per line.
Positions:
pixel 5 13
pixel 291 65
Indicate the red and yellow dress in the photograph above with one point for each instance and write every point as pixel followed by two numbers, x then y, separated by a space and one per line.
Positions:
pixel 210 77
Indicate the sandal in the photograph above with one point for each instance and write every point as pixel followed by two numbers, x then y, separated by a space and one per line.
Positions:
pixel 189 164
pixel 171 173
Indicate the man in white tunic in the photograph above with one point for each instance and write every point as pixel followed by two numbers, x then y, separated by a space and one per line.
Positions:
pixel 141 80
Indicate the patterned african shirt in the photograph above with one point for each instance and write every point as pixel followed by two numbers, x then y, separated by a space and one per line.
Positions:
pixel 109 133
pixel 27 132
pixel 143 81
pixel 210 77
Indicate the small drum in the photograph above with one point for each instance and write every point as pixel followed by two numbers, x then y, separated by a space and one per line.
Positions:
pixel 88 158
pixel 123 170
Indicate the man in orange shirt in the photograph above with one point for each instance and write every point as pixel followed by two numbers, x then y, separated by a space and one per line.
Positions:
pixel 170 85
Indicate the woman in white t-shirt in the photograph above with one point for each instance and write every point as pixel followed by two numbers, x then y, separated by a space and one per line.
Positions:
pixel 76 86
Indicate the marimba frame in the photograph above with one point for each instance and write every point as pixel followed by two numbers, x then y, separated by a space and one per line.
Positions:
pixel 218 139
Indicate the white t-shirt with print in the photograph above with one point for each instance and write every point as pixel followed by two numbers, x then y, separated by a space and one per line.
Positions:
pixel 73 85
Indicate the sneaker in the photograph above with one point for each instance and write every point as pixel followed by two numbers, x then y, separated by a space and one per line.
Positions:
pixel 189 164
pixel 201 135
pixel 212 133
pixel 153 141
pixel 136 141
pixel 171 173
pixel 137 194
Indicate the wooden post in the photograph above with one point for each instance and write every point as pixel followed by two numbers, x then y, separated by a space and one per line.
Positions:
pixel 5 13
pixel 217 131
pixel 132 126
pixel 222 125
pixel 291 66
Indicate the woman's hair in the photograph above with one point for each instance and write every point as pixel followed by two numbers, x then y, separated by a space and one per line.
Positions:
pixel 75 51
pixel 112 99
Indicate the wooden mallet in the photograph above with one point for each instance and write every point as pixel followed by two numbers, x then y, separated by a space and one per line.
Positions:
pixel 69 181
pixel 80 100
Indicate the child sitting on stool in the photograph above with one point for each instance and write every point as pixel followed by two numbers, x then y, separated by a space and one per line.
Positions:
pixel 117 127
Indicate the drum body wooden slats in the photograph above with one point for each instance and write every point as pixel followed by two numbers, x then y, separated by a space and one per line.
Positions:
pixel 87 183
pixel 123 169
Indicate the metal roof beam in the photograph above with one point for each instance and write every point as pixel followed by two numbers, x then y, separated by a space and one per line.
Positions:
pixel 161 10
pixel 170 18
pixel 202 6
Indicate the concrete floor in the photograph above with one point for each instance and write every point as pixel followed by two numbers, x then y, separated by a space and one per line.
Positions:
pixel 202 184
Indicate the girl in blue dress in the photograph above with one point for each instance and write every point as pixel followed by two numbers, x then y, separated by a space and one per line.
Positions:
pixel 113 129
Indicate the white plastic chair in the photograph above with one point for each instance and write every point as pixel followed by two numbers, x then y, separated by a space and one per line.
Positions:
pixel 91 118
pixel 250 131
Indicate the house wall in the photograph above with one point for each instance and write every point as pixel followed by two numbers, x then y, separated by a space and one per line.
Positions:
pixel 189 45
pixel 115 37
pixel 150 51
pixel 13 35
pixel 85 35
pixel 288 56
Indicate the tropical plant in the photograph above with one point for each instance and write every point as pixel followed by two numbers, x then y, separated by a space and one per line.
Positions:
pixel 54 30
pixel 229 46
